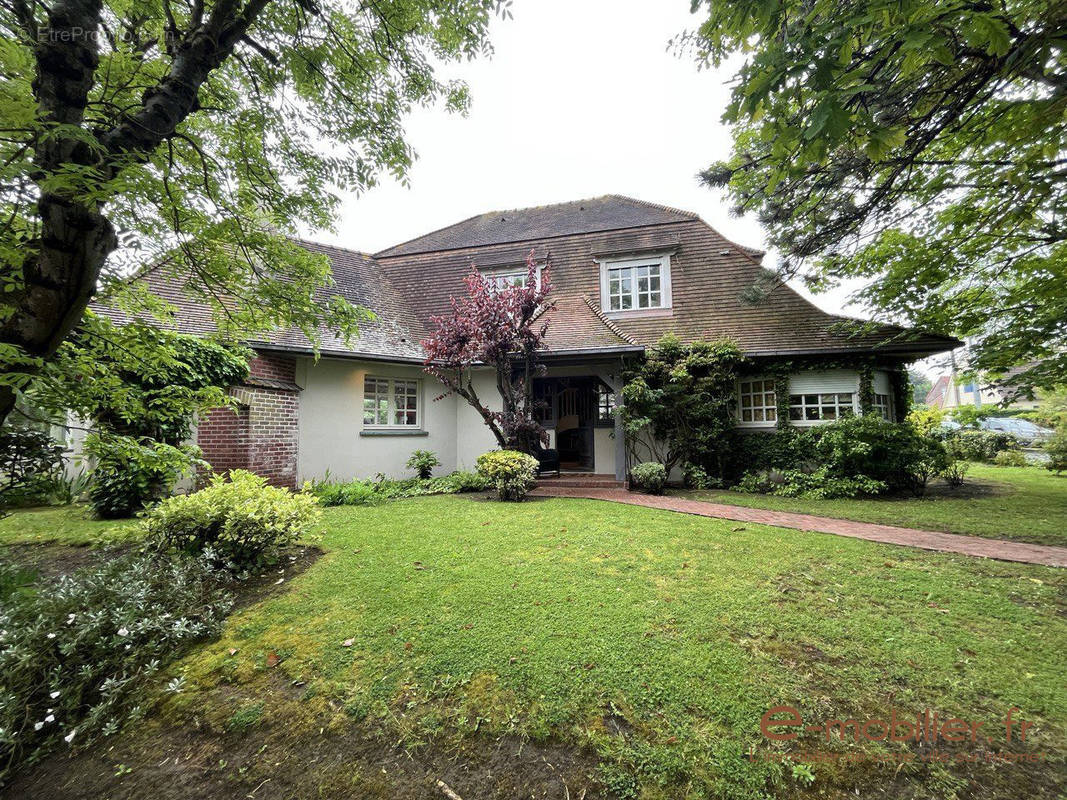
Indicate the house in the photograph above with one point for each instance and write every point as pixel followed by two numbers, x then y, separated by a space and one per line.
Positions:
pixel 949 393
pixel 624 273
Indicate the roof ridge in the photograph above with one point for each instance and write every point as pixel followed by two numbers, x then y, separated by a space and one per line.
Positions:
pixel 639 201
pixel 608 322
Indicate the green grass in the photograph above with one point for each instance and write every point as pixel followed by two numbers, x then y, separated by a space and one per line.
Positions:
pixel 1027 504
pixel 467 618
pixel 67 525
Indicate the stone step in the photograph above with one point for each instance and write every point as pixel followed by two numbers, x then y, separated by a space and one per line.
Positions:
pixel 581 480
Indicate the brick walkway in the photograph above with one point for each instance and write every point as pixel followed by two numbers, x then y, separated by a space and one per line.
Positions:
pixel 1047 555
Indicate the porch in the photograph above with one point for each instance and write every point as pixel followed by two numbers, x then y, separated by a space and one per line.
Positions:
pixel 577 408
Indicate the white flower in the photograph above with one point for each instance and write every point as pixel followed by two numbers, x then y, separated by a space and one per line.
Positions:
pixel 123 632
pixel 38 725
pixel 70 736
pixel 70 618
pixel 51 636
pixel 50 718
pixel 54 695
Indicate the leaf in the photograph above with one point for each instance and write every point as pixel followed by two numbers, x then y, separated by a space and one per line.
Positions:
pixel 273 659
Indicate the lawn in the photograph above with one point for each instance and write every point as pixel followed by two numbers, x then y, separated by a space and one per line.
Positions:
pixel 641 645
pixel 1027 504
pixel 64 525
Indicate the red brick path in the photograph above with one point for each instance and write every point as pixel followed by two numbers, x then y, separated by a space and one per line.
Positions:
pixel 888 534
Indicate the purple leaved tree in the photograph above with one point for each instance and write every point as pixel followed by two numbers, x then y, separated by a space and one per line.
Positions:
pixel 499 326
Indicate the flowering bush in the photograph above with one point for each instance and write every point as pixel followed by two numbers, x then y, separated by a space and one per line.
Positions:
pixel 510 472
pixel 650 477
pixel 423 462
pixel 75 655
pixel 241 519
pixel 978 445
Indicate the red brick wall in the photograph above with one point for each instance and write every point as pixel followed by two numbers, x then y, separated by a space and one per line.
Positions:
pixel 262 435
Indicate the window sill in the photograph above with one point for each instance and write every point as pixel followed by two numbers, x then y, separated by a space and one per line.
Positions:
pixel 637 313
pixel 392 432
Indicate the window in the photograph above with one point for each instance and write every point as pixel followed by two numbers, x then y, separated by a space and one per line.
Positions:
pixel 636 284
pixel 814 407
pixel 758 402
pixel 881 405
pixel 502 278
pixel 390 403
pixel 605 405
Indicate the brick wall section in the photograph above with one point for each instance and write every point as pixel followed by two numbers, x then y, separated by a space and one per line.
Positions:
pixel 262 436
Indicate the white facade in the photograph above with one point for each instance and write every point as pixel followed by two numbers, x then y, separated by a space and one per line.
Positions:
pixel 334 438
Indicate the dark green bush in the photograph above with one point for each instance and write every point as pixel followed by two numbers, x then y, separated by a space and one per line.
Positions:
pixel 30 460
pixel 1056 447
pixel 372 492
pixel 1010 458
pixel 894 454
pixel 132 473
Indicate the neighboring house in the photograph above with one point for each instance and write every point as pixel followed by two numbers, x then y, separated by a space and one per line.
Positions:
pixel 947 393
pixel 624 273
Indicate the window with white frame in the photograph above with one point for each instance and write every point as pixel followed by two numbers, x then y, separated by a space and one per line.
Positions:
pixel 823 406
pixel 390 403
pixel 881 405
pixel 605 404
pixel 504 278
pixel 636 284
pixel 757 402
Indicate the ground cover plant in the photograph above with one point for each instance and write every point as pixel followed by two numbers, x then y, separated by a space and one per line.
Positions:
pixel 1026 504
pixel 378 489
pixel 648 641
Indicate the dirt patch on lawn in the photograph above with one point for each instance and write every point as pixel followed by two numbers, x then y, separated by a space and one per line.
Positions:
pixel 50 561
pixel 280 752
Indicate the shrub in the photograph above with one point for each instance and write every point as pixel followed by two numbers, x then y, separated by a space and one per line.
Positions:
pixel 927 421
pixel 29 461
pixel 1056 448
pixel 695 477
pixel 978 445
pixel 1010 458
pixel 241 520
pixel 510 472
pixel 423 462
pixel 820 485
pixel 891 453
pixel 132 473
pixel 954 473
pixel 76 655
pixel 649 477
pixel 760 481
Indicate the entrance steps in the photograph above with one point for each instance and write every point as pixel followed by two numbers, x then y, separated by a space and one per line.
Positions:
pixel 581 480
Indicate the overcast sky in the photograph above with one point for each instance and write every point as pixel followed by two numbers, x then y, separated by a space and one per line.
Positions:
pixel 581 98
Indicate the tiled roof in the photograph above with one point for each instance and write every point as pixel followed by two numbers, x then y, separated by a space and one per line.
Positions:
pixel 406 285
pixel 607 213
pixel 394 333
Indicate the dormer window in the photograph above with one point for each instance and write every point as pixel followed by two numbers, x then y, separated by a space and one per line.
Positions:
pixel 504 278
pixel 636 284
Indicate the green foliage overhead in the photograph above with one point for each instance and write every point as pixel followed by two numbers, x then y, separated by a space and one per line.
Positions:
pixel 678 403
pixel 138 379
pixel 916 145
pixel 199 136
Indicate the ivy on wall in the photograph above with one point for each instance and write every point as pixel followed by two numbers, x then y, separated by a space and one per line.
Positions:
pixel 866 370
pixel 900 385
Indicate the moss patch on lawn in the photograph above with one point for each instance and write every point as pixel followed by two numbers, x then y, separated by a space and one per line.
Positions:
pixel 1025 504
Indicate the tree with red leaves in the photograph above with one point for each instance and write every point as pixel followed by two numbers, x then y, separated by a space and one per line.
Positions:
pixel 495 326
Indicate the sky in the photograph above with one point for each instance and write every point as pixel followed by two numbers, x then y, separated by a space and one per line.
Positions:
pixel 581 98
